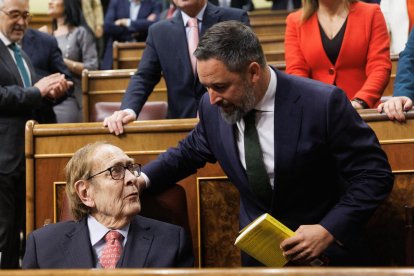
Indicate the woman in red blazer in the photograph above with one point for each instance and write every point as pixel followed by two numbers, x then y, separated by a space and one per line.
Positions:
pixel 340 42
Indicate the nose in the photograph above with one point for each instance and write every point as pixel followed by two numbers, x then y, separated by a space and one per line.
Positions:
pixel 214 96
pixel 130 178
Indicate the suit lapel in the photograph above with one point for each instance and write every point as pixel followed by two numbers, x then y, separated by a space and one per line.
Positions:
pixel 77 246
pixel 138 244
pixel 9 63
pixel 288 119
pixel 210 17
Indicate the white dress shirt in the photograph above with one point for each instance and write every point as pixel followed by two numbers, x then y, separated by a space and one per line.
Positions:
pixel 265 129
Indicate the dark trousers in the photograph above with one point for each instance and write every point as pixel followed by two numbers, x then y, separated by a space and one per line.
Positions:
pixel 12 217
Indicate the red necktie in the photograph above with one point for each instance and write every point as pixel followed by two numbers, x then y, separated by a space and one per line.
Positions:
pixel 192 23
pixel 112 250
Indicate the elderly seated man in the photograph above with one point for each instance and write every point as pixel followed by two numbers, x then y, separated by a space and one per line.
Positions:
pixel 104 196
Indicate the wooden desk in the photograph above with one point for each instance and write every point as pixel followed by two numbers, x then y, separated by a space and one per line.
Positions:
pixel 110 86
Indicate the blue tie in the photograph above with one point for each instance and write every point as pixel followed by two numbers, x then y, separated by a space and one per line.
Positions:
pixel 20 64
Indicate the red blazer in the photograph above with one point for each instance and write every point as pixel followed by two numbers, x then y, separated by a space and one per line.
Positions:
pixel 363 66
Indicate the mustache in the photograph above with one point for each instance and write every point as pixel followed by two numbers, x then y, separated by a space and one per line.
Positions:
pixel 18 27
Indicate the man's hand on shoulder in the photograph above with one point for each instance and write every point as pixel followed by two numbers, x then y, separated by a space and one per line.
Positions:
pixel 116 121
pixel 307 244
pixel 395 107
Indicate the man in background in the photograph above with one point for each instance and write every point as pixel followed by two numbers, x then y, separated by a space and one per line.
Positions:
pixel 169 51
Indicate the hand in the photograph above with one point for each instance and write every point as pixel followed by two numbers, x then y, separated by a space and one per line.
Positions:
pixel 98 31
pixel 395 107
pixel 116 121
pixel 356 105
pixel 122 22
pixel 152 17
pixel 308 244
pixel 53 86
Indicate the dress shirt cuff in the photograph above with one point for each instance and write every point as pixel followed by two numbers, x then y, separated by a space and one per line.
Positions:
pixel 131 112
pixel 128 23
pixel 147 180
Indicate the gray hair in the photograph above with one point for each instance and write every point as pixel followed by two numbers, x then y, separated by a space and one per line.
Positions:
pixel 233 43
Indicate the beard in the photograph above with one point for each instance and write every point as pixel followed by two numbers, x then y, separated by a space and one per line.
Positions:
pixel 238 112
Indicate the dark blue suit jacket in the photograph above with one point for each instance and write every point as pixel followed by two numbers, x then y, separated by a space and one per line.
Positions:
pixel 329 166
pixel 150 243
pixel 138 29
pixel 46 58
pixel 404 81
pixel 167 53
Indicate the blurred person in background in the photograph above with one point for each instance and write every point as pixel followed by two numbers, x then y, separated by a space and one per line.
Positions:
pixel 77 43
pixel 340 42
pixel 126 21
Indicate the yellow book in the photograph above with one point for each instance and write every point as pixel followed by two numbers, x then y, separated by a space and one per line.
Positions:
pixel 261 239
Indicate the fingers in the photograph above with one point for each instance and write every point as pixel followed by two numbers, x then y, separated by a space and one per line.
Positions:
pixel 394 109
pixel 116 121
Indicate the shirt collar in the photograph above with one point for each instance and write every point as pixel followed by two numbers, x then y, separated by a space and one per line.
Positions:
pixel 199 16
pixel 267 103
pixel 5 40
pixel 97 230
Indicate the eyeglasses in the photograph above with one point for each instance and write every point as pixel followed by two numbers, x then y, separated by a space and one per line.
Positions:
pixel 15 15
pixel 118 171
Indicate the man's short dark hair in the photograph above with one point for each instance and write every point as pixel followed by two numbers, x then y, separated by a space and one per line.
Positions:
pixel 233 43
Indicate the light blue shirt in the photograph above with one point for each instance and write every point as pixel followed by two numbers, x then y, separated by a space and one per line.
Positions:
pixel 134 9
pixel 97 233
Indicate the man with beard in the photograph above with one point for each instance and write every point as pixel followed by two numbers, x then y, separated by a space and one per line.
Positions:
pixel 322 171
pixel 23 96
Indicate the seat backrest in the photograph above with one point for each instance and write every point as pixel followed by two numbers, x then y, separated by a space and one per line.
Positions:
pixel 150 111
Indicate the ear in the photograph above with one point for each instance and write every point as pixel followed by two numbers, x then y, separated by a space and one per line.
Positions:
pixel 254 72
pixel 84 192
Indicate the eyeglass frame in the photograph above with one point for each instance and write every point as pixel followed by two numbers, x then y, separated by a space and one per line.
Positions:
pixel 17 15
pixel 137 169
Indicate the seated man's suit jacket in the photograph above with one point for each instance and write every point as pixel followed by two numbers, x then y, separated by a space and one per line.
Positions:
pixel 167 52
pixel 329 166
pixel 150 243
pixel 138 29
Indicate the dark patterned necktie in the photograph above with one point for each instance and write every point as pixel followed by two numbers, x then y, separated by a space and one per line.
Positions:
pixel 255 167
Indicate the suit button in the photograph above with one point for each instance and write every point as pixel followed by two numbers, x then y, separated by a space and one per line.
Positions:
pixel 331 71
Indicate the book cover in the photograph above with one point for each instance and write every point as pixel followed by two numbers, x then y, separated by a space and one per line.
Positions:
pixel 261 239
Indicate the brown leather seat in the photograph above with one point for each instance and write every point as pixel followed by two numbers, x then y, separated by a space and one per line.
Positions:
pixel 156 110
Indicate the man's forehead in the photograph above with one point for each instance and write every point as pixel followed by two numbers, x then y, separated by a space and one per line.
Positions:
pixel 15 4
pixel 109 154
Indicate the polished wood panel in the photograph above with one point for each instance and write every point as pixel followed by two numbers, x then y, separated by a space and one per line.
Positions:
pixel 126 55
pixel 39 20
pixel 110 86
